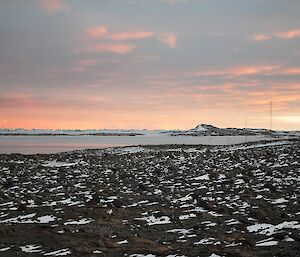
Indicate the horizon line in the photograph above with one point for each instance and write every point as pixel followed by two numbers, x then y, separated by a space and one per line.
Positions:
pixel 148 129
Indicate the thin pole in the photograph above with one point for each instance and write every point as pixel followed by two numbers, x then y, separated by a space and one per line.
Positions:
pixel 246 120
pixel 271 106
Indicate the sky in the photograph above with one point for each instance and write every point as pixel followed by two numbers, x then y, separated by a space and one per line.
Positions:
pixel 154 64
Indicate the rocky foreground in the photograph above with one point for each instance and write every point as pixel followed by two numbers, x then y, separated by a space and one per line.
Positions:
pixel 153 201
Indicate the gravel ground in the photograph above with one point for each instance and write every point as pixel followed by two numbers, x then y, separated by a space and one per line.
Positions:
pixel 241 200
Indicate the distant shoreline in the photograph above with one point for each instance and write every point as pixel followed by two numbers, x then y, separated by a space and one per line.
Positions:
pixel 65 134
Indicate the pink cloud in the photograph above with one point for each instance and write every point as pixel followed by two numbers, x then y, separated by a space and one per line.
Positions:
pixel 52 6
pixel 291 71
pixel 261 37
pixel 96 32
pixel 130 35
pixel 238 71
pixel 288 34
pixel 101 32
pixel 110 48
pixel 170 40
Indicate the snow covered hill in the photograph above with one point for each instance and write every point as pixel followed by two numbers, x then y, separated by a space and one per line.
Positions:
pixel 210 130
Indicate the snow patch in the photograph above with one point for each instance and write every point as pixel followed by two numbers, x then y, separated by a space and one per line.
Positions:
pixel 151 220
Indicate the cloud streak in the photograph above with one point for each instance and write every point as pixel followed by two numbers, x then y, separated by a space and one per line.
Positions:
pixel 53 6
pixel 102 32
pixel 238 71
pixel 289 34
pixel 96 32
pixel 120 49
pixel 261 37
pixel 130 35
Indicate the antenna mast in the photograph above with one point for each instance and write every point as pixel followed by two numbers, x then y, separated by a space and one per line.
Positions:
pixel 246 121
pixel 271 106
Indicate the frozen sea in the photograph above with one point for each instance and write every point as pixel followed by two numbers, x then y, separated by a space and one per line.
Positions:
pixel 55 144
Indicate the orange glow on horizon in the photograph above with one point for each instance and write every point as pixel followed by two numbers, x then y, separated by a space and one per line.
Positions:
pixel 166 109
pixel 142 119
